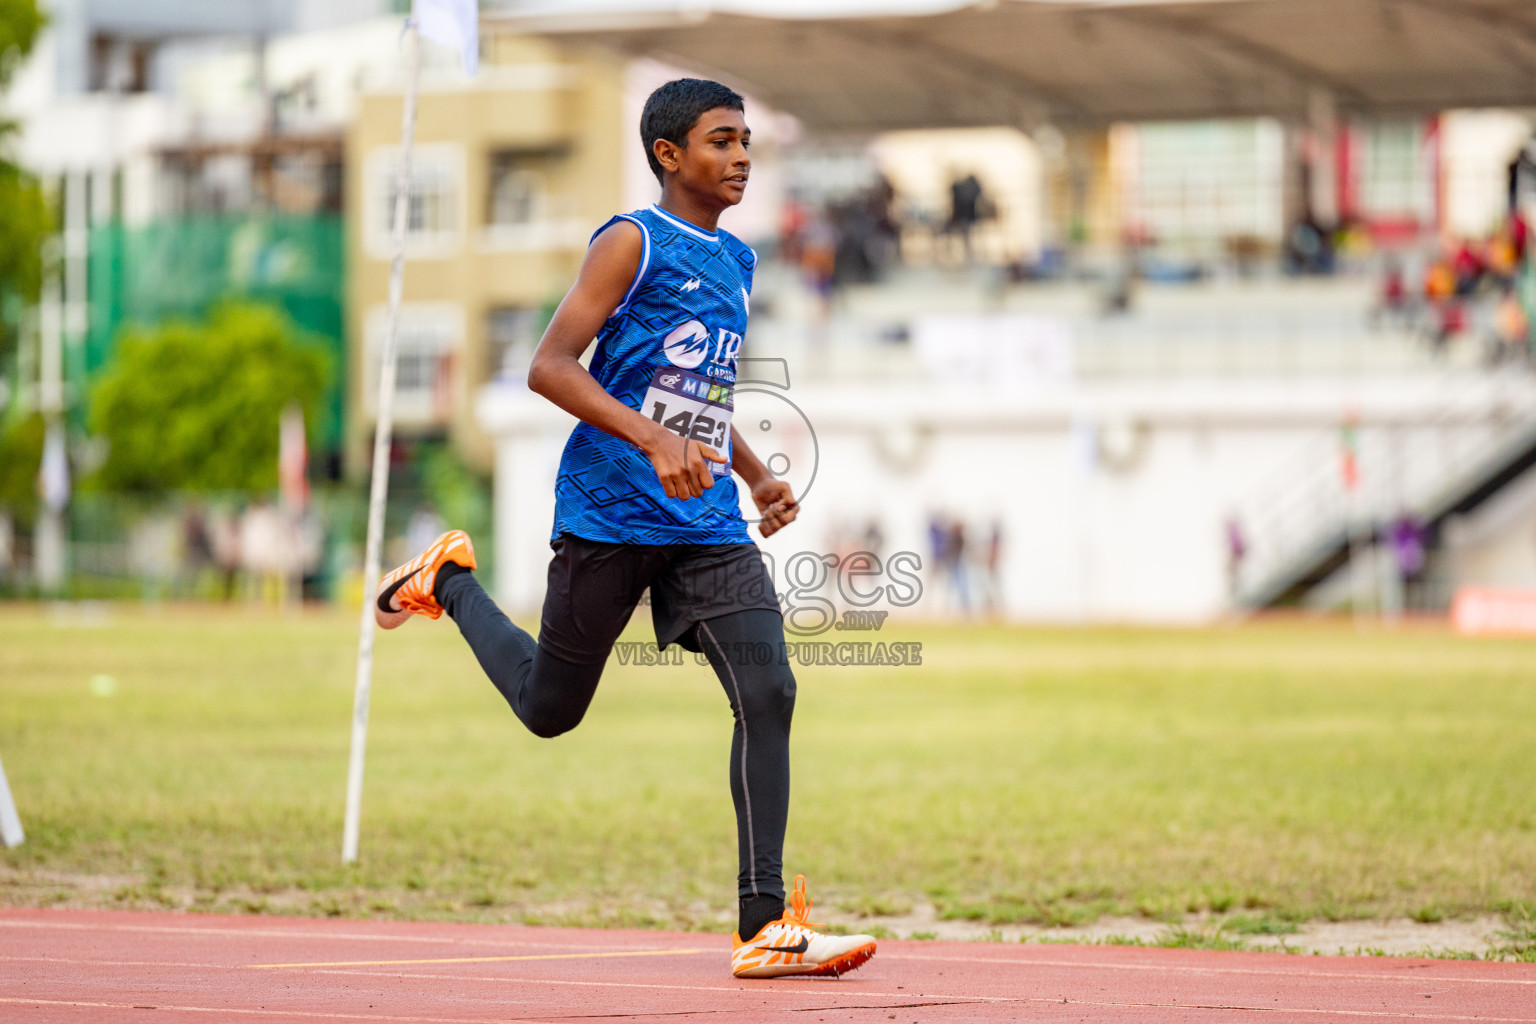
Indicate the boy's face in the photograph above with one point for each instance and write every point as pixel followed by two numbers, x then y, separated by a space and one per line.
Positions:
pixel 715 165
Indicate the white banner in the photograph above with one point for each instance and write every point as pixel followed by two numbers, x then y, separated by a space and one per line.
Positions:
pixel 454 23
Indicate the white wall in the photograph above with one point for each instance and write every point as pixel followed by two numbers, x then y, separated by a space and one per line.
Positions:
pixel 1478 148
pixel 1495 546
pixel 1113 499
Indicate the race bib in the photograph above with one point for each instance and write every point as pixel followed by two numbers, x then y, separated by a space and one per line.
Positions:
pixel 693 407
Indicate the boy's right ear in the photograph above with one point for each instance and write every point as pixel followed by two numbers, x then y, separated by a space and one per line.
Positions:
pixel 668 154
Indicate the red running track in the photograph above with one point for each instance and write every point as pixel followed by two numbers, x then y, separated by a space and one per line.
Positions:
pixel 74 966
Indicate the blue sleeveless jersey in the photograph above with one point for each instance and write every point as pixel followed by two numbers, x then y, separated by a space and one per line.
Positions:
pixel 669 351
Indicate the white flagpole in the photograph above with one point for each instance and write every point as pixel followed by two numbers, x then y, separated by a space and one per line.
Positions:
pixel 10 822
pixel 381 445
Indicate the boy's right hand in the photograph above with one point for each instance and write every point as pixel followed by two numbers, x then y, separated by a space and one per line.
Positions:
pixel 682 464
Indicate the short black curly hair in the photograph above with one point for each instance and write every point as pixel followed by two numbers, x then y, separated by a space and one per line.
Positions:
pixel 672 111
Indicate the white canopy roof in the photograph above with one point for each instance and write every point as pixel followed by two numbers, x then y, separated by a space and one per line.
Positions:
pixel 1028 62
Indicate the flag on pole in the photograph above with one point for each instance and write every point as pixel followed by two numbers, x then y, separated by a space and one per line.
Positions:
pixel 1349 452
pixel 454 23
pixel 53 472
pixel 293 459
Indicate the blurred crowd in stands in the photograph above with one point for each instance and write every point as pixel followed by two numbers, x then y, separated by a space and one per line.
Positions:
pixel 1470 288
pixel 855 240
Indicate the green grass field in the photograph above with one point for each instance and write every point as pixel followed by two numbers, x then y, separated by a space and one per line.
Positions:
pixel 1282 771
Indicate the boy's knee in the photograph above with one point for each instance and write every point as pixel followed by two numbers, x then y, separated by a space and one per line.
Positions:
pixel 773 696
pixel 546 724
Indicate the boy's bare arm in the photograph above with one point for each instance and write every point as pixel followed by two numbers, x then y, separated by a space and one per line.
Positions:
pixel 606 275
pixel 772 496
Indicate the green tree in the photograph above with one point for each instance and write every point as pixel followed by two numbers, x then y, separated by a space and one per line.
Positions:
pixel 189 406
pixel 21 453
pixel 24 219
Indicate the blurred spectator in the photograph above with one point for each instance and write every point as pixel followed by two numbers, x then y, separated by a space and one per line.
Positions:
pixel 195 542
pixel 225 534
pixel 7 542
pixel 818 254
pixel 885 241
pixel 1450 319
pixel 1519 234
pixel 1467 265
pixel 994 569
pixel 1408 552
pixel 1511 329
pixel 793 220
pixel 1309 250
pixel 966 201
pixel 955 557
pixel 1392 304
pixel 1447 315
pixel 424 527
pixel 874 538
pixel 858 255
pixel 1502 260
pixel 1237 550
pixel 937 534
pixel 263 546
pixel 818 265
pixel 1439 281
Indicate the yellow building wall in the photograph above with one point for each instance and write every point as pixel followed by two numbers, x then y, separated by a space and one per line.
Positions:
pixel 528 96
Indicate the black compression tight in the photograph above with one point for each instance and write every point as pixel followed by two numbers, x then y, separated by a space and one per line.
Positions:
pixel 746 649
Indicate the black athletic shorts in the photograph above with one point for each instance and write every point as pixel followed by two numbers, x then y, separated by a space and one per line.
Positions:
pixel 594 587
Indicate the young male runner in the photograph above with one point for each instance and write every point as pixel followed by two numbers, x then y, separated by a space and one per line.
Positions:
pixel 645 500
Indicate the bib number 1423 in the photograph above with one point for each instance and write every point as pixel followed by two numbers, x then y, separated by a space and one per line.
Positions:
pixel 692 407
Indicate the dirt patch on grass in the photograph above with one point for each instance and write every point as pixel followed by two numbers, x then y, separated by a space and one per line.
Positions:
pixel 1395 937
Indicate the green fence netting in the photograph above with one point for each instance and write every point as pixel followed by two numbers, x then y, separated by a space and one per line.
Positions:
pixel 183 267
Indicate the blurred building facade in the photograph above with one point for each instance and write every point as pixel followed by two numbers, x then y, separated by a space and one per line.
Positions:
pixel 195 155
pixel 511 173
pixel 1130 345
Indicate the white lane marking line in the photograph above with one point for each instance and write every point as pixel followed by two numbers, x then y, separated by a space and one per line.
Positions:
pixel 928 1001
pixel 811 988
pixel 1185 969
pixel 802 986
pixel 1395 1014
pixel 72 961
pixel 276 933
pixel 312 1014
pixel 488 959
pixel 808 987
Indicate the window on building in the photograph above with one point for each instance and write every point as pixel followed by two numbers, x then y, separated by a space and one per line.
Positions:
pixel 120 64
pixel 1396 176
pixel 430 208
pixel 511 334
pixel 426 344
pixel 1200 184
pixel 432 220
pixel 516 191
pixel 304 182
pixel 517 187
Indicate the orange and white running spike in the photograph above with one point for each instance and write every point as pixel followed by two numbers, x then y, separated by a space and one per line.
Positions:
pixel 791 945
pixel 414 595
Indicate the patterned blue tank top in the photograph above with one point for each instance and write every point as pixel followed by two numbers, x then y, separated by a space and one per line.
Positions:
pixel 669 350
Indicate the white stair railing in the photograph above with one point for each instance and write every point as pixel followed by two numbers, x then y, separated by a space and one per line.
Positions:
pixel 1305 511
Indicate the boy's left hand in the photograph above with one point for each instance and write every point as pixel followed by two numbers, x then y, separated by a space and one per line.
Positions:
pixel 777 504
